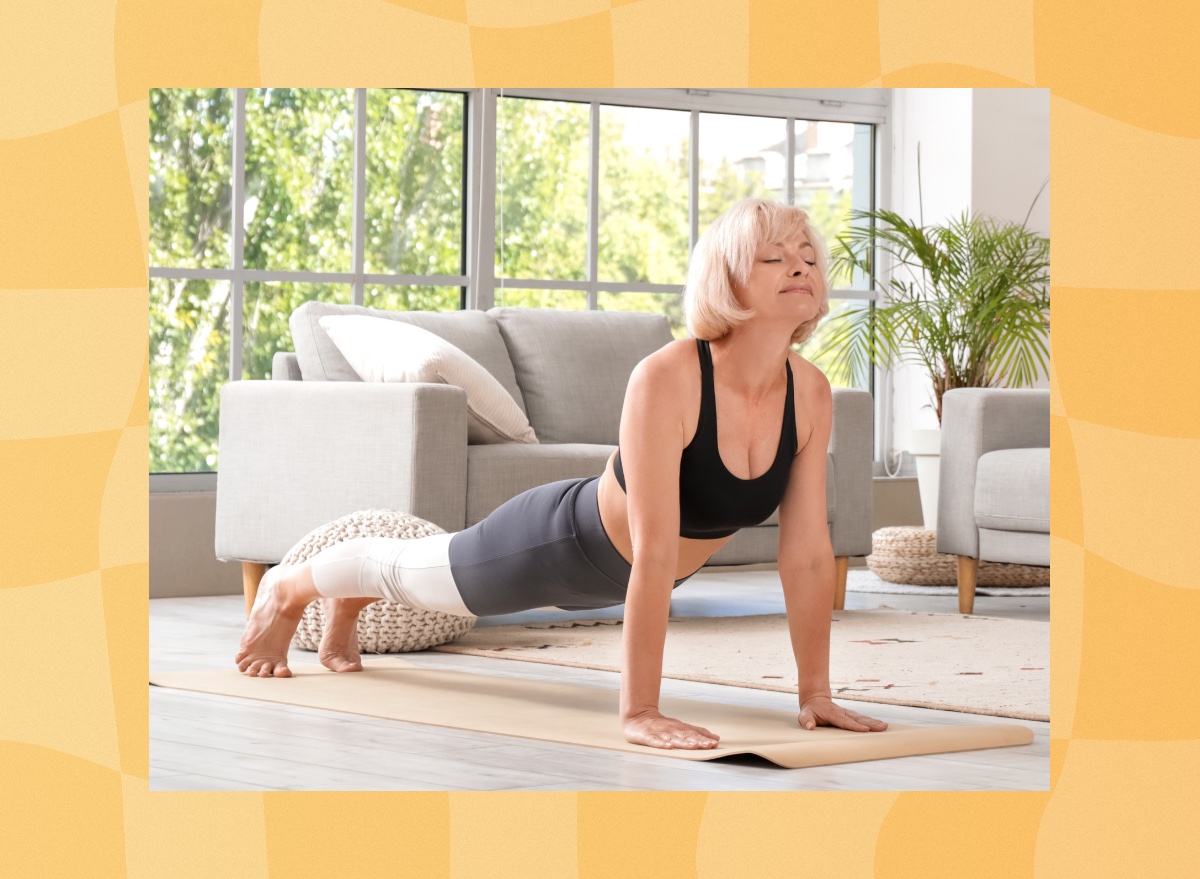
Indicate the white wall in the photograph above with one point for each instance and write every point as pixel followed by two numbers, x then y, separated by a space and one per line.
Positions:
pixel 987 150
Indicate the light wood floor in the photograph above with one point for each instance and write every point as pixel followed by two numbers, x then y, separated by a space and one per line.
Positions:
pixel 206 742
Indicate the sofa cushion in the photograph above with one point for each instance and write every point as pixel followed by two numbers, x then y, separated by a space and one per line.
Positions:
pixel 1015 547
pixel 500 472
pixel 397 351
pixel 1012 490
pixel 573 366
pixel 472 331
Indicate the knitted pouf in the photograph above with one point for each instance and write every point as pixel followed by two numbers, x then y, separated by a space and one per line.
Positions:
pixel 904 554
pixel 384 626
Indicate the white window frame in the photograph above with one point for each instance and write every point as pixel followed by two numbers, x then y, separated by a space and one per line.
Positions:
pixel 872 106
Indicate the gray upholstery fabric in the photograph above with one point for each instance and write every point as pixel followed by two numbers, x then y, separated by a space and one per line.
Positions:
pixel 472 331
pixel 285 366
pixel 1012 490
pixel 749 546
pixel 976 421
pixel 1015 547
pixel 852 443
pixel 498 472
pixel 578 398
pixel 295 455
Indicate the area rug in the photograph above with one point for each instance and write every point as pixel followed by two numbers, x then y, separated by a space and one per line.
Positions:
pixel 955 662
pixel 866 580
pixel 576 714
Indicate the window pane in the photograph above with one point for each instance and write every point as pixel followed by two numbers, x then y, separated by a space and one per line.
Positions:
pixel 573 300
pixel 414 209
pixel 299 179
pixel 189 363
pixel 740 156
pixel 541 189
pixel 670 304
pixel 191 153
pixel 643 195
pixel 833 175
pixel 409 298
pixel 268 306
pixel 838 377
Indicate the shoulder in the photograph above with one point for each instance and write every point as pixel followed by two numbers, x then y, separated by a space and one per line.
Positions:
pixel 661 379
pixel 671 366
pixel 813 398
pixel 809 383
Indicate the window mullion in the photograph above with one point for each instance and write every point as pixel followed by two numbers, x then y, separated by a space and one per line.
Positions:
pixel 789 158
pixel 482 187
pixel 694 181
pixel 236 291
pixel 360 193
pixel 593 242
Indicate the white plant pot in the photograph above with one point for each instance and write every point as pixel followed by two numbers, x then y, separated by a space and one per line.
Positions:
pixel 925 445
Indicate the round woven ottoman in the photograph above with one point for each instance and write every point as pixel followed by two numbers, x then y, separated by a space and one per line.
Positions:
pixel 383 626
pixel 906 554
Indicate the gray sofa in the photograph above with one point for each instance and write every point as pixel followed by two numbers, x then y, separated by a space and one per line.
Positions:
pixel 994 480
pixel 315 442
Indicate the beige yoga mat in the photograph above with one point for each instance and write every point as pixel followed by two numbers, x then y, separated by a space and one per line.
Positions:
pixel 578 714
pixel 952 662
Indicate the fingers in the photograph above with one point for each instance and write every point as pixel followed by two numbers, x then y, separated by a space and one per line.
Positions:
pixel 670 733
pixel 841 717
pixel 856 722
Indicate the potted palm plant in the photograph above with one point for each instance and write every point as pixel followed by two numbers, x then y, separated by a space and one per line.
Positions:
pixel 968 300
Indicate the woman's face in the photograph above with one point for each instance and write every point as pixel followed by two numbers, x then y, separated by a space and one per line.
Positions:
pixel 784 281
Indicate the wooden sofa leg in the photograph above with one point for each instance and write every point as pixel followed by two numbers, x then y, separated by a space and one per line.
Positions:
pixel 967 569
pixel 840 562
pixel 252 574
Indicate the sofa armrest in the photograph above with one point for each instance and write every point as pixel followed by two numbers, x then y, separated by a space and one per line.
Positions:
pixel 285 366
pixel 296 455
pixel 852 444
pixel 976 421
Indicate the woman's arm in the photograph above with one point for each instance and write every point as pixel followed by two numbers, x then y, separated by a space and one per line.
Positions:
pixel 647 608
pixel 651 440
pixel 805 553
pixel 807 570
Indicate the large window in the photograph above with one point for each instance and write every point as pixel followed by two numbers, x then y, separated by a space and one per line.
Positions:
pixel 262 199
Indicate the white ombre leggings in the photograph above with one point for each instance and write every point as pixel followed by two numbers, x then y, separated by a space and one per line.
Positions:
pixel 414 572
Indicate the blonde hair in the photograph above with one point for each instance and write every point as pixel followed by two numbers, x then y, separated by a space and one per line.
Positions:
pixel 725 252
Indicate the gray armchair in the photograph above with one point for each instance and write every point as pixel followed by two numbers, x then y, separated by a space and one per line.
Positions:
pixel 994 481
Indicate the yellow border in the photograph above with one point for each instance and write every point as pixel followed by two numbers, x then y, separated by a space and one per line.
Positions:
pixel 74 78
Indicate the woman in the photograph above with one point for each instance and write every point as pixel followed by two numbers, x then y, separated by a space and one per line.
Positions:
pixel 702 454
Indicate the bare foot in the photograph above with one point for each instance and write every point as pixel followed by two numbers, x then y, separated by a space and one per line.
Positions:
pixel 338 650
pixel 277 611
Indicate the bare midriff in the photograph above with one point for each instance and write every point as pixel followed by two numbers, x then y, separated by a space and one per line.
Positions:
pixel 614 516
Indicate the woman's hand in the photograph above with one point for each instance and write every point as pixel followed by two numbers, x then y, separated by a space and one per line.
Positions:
pixel 653 729
pixel 821 710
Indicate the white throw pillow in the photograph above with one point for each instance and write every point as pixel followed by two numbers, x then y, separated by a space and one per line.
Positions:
pixel 383 350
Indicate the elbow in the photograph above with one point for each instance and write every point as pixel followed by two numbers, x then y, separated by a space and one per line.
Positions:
pixel 806 562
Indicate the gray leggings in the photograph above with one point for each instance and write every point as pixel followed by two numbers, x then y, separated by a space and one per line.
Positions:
pixel 546 547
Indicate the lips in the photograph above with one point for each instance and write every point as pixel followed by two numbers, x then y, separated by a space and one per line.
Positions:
pixel 799 289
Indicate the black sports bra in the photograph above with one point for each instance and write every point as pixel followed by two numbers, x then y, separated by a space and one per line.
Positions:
pixel 712 501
